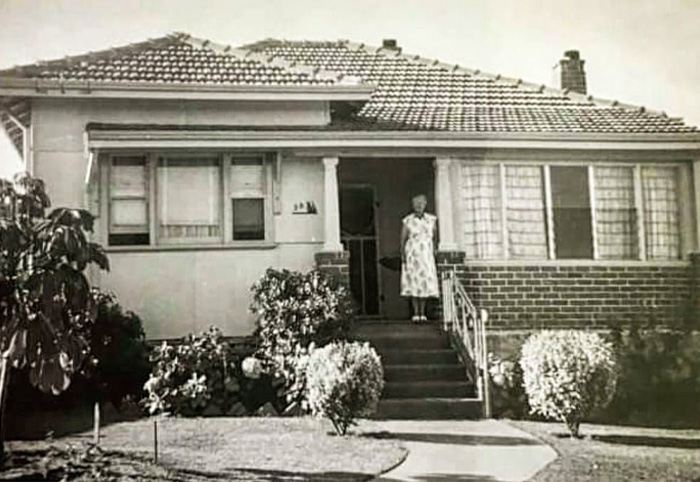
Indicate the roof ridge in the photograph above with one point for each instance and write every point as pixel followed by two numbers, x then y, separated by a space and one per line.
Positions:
pixel 94 55
pixel 519 83
pixel 246 52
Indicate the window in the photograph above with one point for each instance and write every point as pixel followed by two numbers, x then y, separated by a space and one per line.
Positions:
pixel 616 213
pixel 661 212
pixel 188 199
pixel 571 212
pixel 128 201
pixel 247 192
pixel 482 221
pixel 525 212
pixel 540 211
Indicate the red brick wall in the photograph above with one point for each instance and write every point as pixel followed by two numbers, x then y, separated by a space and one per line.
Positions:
pixel 567 296
pixel 336 265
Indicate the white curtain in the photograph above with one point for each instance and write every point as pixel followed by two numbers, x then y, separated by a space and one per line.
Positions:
pixel 481 211
pixel 189 198
pixel 616 217
pixel 661 216
pixel 525 213
pixel 128 191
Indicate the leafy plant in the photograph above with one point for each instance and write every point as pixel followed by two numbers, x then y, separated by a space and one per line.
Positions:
pixel 659 375
pixel 508 396
pixel 295 313
pixel 568 373
pixel 198 376
pixel 345 381
pixel 118 345
pixel 116 370
pixel 45 301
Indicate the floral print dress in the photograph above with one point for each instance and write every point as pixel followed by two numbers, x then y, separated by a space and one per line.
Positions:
pixel 419 273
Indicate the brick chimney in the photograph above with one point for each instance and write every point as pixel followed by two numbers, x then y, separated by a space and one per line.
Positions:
pixel 390 44
pixel 572 76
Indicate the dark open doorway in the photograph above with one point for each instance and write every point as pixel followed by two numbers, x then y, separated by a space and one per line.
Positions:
pixel 375 195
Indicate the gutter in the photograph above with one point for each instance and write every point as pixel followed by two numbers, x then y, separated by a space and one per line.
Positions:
pixel 290 138
pixel 21 87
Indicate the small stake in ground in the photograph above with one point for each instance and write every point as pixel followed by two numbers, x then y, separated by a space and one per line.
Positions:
pixel 96 425
pixel 155 441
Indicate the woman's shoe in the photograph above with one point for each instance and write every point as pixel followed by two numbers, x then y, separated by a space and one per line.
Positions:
pixel 423 319
pixel 415 319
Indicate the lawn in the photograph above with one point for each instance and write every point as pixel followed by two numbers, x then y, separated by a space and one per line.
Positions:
pixel 250 449
pixel 614 453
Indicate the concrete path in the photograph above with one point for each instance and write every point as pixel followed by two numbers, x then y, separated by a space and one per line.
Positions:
pixel 462 451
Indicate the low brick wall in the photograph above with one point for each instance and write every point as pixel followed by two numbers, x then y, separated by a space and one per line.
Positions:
pixel 335 264
pixel 595 296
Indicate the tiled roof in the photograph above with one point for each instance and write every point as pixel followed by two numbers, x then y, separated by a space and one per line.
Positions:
pixel 176 58
pixel 410 92
pixel 429 95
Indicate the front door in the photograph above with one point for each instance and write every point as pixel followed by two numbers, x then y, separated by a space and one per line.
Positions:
pixel 358 228
pixel 375 195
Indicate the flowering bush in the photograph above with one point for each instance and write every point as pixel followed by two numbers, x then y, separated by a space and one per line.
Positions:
pixel 252 368
pixel 197 376
pixel 508 397
pixel 567 373
pixel 295 313
pixel 344 382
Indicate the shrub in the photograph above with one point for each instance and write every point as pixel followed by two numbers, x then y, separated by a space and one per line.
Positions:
pixel 344 382
pixel 295 313
pixel 567 373
pixel 508 398
pixel 116 368
pixel 659 377
pixel 118 345
pixel 199 376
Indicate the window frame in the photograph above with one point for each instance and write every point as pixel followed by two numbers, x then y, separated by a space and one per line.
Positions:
pixel 225 240
pixel 267 196
pixel 590 165
pixel 106 175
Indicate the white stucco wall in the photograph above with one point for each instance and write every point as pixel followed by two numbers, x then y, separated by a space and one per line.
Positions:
pixel 184 290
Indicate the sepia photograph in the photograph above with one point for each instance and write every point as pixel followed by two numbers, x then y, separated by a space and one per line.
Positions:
pixel 350 240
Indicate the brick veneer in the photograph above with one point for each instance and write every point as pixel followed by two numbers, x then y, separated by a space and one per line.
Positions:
pixel 335 264
pixel 527 296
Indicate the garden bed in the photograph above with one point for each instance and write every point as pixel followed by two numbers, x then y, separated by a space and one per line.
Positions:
pixel 609 452
pixel 257 449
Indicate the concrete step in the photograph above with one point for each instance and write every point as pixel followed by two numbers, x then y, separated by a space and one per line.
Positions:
pixel 416 373
pixel 407 341
pixel 428 389
pixel 398 356
pixel 429 408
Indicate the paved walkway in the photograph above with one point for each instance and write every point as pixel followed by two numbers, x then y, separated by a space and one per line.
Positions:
pixel 462 451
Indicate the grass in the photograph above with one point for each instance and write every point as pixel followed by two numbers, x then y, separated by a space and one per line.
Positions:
pixel 251 449
pixel 615 453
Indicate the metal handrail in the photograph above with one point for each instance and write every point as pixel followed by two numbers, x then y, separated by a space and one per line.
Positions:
pixel 467 327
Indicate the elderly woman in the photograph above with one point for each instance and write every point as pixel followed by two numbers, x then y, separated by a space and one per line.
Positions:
pixel 419 279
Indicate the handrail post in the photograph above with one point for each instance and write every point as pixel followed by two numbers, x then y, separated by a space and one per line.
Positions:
pixel 487 392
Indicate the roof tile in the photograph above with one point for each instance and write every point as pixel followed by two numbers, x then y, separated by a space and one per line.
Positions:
pixel 428 95
pixel 411 92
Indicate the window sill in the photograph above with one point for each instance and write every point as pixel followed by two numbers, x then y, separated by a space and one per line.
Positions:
pixel 576 262
pixel 241 245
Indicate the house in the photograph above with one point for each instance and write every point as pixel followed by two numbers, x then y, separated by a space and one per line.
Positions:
pixel 206 164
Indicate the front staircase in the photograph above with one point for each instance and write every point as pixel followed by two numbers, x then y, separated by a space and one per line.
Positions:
pixel 425 379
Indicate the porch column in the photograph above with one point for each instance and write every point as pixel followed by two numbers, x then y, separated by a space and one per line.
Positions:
pixel 443 204
pixel 696 192
pixel 331 206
